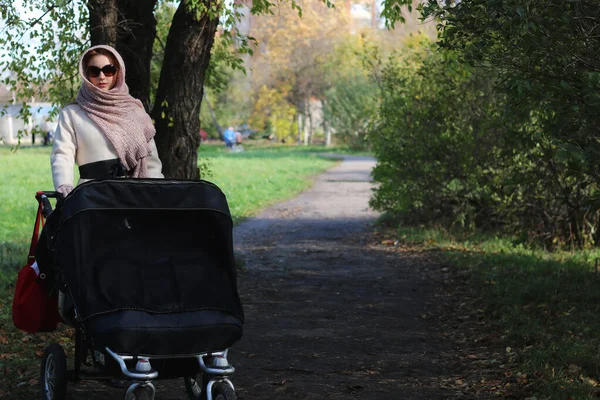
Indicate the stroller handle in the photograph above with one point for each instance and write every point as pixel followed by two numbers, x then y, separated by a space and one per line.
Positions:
pixel 43 196
pixel 48 194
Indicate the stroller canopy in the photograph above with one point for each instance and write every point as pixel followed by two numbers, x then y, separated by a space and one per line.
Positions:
pixel 152 245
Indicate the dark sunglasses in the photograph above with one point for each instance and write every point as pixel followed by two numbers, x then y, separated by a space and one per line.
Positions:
pixel 108 70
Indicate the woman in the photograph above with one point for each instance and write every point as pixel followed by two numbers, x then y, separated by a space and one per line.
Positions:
pixel 106 132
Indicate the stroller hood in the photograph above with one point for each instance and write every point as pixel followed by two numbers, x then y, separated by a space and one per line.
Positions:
pixel 151 245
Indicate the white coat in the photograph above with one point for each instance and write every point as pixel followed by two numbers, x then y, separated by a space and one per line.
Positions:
pixel 78 140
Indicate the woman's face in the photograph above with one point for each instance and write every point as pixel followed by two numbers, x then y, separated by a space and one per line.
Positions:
pixel 102 72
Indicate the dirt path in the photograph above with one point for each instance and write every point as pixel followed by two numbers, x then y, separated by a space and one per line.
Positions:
pixel 330 313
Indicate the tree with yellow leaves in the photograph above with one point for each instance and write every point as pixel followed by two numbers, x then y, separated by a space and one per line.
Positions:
pixel 287 68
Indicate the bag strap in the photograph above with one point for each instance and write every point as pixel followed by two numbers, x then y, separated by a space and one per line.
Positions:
pixel 39 223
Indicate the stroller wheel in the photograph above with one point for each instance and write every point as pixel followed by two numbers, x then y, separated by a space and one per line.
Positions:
pixel 140 392
pixel 53 373
pixel 193 388
pixel 222 391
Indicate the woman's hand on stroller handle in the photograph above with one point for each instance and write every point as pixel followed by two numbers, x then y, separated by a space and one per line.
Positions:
pixel 64 190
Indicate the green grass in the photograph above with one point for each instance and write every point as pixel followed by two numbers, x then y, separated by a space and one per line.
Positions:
pixel 546 306
pixel 22 174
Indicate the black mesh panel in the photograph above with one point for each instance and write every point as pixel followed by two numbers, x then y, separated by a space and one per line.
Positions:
pixel 173 262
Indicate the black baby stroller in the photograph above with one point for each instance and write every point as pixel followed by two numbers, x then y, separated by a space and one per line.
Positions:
pixel 145 273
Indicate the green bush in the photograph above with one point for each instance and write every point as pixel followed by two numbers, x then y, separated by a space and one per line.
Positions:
pixel 544 59
pixel 453 149
pixel 432 139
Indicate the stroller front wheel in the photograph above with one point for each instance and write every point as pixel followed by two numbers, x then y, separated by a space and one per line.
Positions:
pixel 53 373
pixel 193 388
pixel 140 391
pixel 222 391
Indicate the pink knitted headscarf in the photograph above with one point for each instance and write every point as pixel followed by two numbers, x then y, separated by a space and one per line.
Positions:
pixel 119 116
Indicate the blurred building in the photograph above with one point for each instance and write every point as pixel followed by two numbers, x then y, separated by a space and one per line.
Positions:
pixel 11 122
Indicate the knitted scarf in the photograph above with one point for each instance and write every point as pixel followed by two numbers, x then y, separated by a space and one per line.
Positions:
pixel 119 116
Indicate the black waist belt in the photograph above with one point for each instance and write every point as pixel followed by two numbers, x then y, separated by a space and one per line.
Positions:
pixel 103 170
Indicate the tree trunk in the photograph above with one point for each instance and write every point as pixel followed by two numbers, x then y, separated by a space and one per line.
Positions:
pixel 327 133
pixel 103 21
pixel 304 119
pixel 299 122
pixel 135 36
pixel 311 128
pixel 305 129
pixel 176 110
pixel 130 27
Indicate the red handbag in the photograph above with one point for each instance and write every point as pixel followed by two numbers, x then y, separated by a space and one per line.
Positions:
pixel 33 308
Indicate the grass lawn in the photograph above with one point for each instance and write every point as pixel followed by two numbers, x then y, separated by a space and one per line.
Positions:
pixel 544 307
pixel 251 180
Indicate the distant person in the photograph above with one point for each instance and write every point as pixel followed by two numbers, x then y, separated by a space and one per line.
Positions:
pixel 237 147
pixel 229 136
pixel 47 134
pixel 47 131
pixel 203 135
pixel 47 138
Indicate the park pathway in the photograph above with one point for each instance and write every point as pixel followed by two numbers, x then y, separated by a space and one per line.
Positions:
pixel 336 206
pixel 331 313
